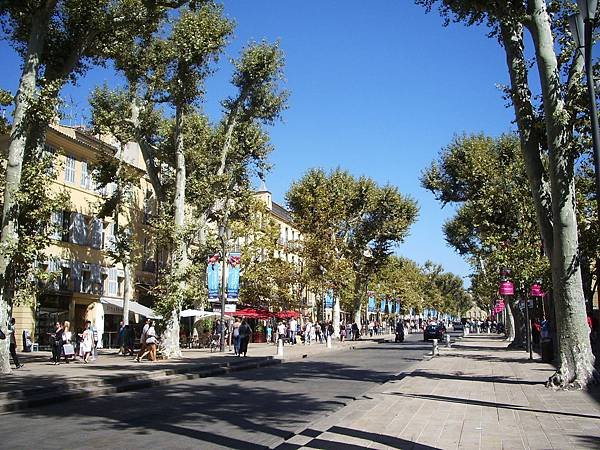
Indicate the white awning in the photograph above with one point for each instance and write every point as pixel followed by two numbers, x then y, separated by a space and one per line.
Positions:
pixel 134 307
pixel 191 313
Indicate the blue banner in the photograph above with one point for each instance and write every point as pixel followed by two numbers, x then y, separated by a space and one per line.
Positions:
pixel 213 277
pixel 371 304
pixel 383 306
pixel 329 299
pixel 397 307
pixel 233 276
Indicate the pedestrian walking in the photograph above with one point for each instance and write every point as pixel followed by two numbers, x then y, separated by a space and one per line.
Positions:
pixel 151 342
pixel 308 329
pixel 236 336
pixel 121 338
pixel 87 342
pixel 128 340
pixel 13 343
pixel 281 330
pixel 57 343
pixel 142 351
pixel 355 331
pixel 68 350
pixel 293 330
pixel 318 333
pixel 245 333
pixel 94 342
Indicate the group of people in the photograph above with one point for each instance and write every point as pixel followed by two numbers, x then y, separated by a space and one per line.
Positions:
pixel 295 332
pixel 64 345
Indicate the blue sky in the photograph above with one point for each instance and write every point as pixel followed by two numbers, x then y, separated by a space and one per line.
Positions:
pixel 377 88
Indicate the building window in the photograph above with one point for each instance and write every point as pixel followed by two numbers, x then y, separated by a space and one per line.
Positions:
pixel 85 176
pixel 70 169
pixel 113 284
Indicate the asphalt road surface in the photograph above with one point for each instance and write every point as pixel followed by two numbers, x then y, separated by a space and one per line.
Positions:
pixel 245 410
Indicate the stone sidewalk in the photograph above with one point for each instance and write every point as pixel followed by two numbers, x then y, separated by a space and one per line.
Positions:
pixel 40 382
pixel 476 395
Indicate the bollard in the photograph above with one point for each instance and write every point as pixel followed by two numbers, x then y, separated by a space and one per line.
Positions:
pixel 328 341
pixel 448 341
pixel 465 331
pixel 280 348
pixel 435 350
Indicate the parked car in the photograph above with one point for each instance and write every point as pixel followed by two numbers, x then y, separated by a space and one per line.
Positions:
pixel 458 326
pixel 433 332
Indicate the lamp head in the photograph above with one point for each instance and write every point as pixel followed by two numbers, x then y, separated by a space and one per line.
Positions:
pixel 576 28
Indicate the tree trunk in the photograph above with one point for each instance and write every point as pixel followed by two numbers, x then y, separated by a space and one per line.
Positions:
pixel 518 325
pixel 147 153
pixel 16 150
pixel 171 346
pixel 509 323
pixel 336 316
pixel 127 291
pixel 576 361
pixel 529 130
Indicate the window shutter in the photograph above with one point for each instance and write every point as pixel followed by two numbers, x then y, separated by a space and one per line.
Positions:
pixel 78 229
pixel 97 226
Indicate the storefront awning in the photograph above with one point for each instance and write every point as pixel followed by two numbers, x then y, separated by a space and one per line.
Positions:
pixel 134 307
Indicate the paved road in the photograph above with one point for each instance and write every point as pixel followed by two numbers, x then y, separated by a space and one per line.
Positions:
pixel 245 410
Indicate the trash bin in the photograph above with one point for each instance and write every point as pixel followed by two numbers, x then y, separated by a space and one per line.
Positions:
pixel 547 350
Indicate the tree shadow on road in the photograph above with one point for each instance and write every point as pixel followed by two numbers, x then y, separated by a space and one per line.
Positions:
pixel 251 403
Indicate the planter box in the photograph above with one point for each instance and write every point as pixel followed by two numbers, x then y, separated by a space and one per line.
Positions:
pixel 259 337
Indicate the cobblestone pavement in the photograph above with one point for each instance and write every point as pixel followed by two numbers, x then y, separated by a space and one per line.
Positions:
pixel 477 395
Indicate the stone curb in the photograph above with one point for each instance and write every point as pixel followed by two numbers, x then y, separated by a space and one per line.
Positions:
pixel 161 378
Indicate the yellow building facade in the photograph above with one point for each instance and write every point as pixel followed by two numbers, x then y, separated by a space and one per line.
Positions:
pixel 89 283
pixel 289 240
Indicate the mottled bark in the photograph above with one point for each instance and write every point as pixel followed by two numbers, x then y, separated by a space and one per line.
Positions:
pixel 509 323
pixel 16 151
pixel 576 361
pixel 170 341
pixel 530 130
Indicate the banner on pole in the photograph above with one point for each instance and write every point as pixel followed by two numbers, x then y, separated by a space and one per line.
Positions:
pixel 213 277
pixel 233 276
pixel 329 299
pixel 371 302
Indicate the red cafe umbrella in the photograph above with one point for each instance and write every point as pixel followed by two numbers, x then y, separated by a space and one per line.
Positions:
pixel 287 314
pixel 251 313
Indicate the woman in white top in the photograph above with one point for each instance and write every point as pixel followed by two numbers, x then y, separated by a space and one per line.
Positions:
pixel 87 338
pixel 150 343
pixel 68 351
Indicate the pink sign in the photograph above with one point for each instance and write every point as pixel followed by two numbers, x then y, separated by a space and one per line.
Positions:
pixel 507 288
pixel 536 290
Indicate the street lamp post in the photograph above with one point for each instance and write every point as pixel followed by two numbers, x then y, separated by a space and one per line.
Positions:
pixel 582 27
pixel 527 321
pixel 225 235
